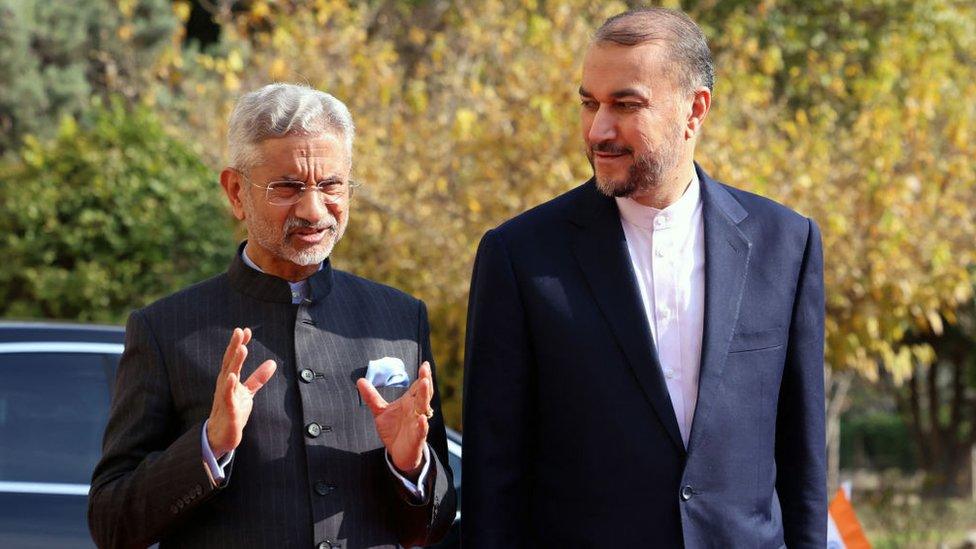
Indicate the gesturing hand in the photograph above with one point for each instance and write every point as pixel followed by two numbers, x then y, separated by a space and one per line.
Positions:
pixel 233 400
pixel 402 424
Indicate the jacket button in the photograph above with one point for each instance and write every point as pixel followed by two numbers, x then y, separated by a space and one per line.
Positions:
pixel 687 492
pixel 313 429
pixel 328 544
pixel 323 489
pixel 306 375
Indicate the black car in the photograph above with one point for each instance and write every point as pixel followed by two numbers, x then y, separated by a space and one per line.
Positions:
pixel 55 391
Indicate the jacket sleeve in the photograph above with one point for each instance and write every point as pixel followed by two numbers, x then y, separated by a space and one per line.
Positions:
pixel 498 389
pixel 151 475
pixel 427 522
pixel 800 429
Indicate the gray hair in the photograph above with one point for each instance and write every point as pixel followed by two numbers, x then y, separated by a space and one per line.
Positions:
pixel 279 110
pixel 684 40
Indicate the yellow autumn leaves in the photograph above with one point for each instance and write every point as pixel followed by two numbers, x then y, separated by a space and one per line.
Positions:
pixel 860 117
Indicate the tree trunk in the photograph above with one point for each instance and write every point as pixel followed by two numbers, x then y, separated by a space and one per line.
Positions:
pixel 838 385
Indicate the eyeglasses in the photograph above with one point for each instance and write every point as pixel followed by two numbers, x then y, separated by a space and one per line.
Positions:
pixel 286 193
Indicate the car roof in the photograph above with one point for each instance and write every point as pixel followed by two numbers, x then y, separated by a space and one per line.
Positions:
pixel 36 331
pixel 17 331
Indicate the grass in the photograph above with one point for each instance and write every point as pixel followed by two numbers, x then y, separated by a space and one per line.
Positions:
pixel 908 521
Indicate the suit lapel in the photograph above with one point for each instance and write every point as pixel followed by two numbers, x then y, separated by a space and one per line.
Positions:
pixel 601 250
pixel 726 263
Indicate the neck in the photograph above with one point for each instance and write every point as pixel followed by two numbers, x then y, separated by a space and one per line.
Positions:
pixel 670 190
pixel 276 266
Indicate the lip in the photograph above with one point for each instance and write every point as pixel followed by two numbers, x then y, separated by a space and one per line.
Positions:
pixel 309 236
pixel 607 157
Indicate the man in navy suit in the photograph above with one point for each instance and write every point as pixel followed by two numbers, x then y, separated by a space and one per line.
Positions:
pixel 645 352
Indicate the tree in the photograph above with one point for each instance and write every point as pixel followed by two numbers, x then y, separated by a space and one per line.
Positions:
pixel 841 112
pixel 939 404
pixel 55 55
pixel 467 115
pixel 107 216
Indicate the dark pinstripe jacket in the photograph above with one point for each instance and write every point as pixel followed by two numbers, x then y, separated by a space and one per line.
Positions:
pixel 286 488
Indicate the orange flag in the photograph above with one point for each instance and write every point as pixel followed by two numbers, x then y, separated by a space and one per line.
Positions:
pixel 843 524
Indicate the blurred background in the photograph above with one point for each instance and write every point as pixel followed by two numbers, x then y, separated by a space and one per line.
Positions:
pixel 858 113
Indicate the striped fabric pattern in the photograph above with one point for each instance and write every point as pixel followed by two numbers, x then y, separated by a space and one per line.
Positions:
pixel 285 488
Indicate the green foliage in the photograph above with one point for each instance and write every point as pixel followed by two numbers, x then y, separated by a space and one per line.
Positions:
pixel 876 441
pixel 108 215
pixel 55 55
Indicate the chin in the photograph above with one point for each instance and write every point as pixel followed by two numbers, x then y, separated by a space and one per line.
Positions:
pixel 615 187
pixel 314 254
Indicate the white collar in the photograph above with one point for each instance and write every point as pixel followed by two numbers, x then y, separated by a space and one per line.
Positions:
pixel 678 214
pixel 253 265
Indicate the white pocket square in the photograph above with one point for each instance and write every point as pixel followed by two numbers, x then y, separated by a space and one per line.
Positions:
pixel 387 372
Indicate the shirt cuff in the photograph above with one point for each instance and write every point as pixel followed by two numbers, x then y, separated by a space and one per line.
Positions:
pixel 416 489
pixel 214 466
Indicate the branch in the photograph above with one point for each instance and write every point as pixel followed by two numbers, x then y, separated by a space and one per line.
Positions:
pixel 220 10
pixel 371 201
pixel 938 433
pixel 918 424
pixel 840 386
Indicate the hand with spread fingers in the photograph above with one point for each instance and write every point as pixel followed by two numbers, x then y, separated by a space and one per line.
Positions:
pixel 233 400
pixel 403 423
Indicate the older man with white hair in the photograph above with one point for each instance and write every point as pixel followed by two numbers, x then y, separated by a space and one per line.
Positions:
pixel 334 432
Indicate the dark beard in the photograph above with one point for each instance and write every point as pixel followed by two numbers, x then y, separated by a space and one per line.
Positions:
pixel 648 171
pixel 645 174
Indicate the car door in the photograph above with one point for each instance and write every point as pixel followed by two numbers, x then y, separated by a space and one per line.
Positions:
pixel 54 402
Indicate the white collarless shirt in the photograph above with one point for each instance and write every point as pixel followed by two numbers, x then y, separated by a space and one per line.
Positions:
pixel 667 250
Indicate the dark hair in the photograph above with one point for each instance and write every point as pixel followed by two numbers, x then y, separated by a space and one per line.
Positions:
pixel 684 40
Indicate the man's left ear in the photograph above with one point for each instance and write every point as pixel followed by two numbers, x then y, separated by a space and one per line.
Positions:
pixel 700 103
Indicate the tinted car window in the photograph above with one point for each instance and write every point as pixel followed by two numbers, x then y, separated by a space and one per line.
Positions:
pixel 455 464
pixel 53 410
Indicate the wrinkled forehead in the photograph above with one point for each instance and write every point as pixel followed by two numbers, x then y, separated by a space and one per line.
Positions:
pixel 302 155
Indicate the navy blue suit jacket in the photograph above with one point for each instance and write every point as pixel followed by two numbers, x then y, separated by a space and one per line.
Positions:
pixel 570 439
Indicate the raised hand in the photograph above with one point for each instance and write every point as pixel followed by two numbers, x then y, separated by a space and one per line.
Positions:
pixel 402 424
pixel 234 400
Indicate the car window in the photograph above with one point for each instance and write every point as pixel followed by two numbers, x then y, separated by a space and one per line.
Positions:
pixel 454 460
pixel 455 463
pixel 53 410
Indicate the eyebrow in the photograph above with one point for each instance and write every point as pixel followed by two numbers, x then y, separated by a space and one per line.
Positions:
pixel 626 92
pixel 297 178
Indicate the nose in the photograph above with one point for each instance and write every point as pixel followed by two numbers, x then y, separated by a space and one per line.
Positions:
pixel 603 126
pixel 312 208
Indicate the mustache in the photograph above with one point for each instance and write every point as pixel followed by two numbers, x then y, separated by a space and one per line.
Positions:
pixel 609 147
pixel 293 223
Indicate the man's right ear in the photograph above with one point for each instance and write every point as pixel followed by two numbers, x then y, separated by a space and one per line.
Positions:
pixel 233 183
